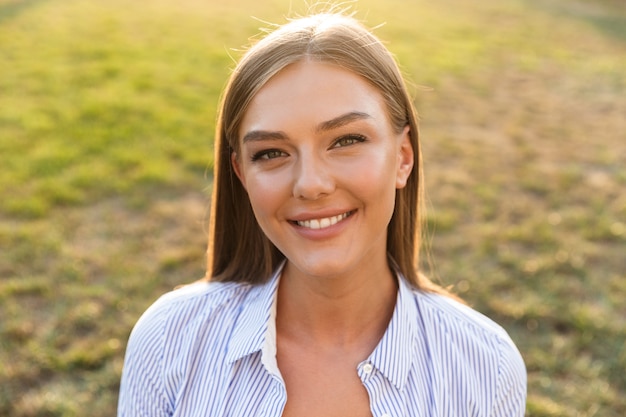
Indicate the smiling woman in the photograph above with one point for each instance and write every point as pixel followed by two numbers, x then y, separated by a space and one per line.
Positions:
pixel 322 124
pixel 313 304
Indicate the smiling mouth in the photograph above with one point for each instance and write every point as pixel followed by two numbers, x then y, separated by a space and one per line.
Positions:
pixel 324 222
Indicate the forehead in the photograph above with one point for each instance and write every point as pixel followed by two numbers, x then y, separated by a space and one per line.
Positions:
pixel 311 92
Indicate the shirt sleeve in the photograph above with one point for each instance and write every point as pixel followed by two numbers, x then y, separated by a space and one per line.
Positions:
pixel 510 399
pixel 142 391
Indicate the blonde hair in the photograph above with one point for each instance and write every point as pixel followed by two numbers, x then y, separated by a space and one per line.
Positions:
pixel 238 249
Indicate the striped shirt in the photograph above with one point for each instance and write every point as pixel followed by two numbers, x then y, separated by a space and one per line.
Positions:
pixel 209 349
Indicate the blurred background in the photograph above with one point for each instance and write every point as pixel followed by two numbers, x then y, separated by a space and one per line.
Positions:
pixel 107 112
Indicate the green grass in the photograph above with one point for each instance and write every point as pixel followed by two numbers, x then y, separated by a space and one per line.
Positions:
pixel 107 111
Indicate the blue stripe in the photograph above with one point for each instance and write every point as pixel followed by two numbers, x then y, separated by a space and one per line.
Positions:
pixel 209 350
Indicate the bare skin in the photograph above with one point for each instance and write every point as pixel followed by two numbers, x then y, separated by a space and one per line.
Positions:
pixel 322 336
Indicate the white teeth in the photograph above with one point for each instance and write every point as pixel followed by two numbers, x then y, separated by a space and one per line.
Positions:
pixel 322 223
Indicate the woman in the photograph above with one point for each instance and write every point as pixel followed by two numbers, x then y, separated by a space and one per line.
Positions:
pixel 313 305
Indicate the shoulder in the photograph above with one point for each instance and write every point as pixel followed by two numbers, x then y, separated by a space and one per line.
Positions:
pixel 172 320
pixel 476 350
pixel 183 306
pixel 451 319
pixel 161 342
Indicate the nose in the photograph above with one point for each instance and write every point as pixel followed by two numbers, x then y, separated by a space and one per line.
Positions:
pixel 312 178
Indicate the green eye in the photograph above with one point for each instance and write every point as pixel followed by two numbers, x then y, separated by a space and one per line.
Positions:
pixel 267 154
pixel 271 154
pixel 348 140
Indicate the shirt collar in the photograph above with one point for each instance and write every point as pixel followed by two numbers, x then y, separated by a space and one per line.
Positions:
pixel 395 353
pixel 255 329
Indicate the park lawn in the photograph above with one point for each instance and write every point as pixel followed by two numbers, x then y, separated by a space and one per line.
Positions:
pixel 107 111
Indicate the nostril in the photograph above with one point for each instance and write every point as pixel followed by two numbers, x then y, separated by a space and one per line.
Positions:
pixel 313 182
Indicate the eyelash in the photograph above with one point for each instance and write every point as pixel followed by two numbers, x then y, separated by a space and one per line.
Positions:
pixel 265 154
pixel 268 154
pixel 354 138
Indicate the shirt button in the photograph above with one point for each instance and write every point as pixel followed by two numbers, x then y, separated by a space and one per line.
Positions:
pixel 367 368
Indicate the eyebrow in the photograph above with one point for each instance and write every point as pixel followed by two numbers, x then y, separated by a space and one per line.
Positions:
pixel 342 120
pixel 254 135
pixel 331 124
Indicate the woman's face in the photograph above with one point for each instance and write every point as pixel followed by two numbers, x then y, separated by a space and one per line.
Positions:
pixel 321 164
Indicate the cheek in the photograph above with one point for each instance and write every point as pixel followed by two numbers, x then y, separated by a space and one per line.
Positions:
pixel 374 174
pixel 379 189
pixel 266 193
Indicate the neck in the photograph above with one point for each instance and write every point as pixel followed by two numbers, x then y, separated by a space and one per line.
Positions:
pixel 337 312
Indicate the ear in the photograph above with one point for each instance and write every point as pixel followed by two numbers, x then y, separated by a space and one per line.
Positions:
pixel 234 161
pixel 406 158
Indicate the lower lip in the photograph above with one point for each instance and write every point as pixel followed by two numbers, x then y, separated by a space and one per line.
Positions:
pixel 325 233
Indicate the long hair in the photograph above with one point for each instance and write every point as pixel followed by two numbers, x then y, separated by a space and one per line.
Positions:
pixel 238 249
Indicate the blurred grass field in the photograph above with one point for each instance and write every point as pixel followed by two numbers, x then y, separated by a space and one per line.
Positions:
pixel 107 111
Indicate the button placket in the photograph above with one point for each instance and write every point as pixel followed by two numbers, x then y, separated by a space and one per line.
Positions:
pixel 368 368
